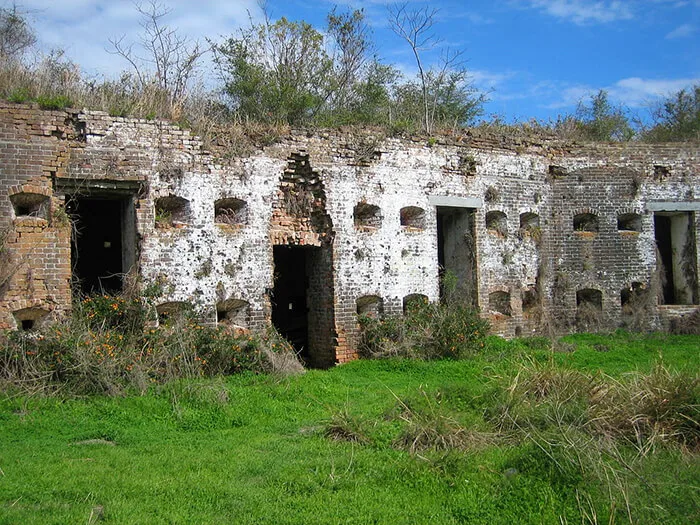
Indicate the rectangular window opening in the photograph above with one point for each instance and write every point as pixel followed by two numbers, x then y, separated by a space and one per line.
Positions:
pixel 456 249
pixel 676 257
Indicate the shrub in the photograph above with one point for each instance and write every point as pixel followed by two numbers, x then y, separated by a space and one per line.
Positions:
pixel 426 331
pixel 643 410
pixel 107 347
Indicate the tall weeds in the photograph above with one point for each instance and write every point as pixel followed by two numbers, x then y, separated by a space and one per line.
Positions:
pixel 111 345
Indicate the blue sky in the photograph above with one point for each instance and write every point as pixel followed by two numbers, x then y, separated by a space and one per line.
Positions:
pixel 535 58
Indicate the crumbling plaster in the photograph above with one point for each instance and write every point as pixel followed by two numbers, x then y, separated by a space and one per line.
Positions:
pixel 202 263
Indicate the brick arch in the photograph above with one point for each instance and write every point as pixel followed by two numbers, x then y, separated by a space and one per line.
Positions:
pixel 370 305
pixel 586 220
pixel 413 298
pixel 31 317
pixel 30 188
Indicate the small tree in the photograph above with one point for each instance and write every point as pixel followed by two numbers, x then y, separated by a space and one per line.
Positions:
pixel 276 71
pixel 446 96
pixel 16 35
pixel 677 117
pixel 352 46
pixel 288 71
pixel 166 60
pixel 601 121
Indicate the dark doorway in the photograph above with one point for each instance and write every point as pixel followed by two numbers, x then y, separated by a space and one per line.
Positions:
pixel 457 254
pixel 302 301
pixel 290 314
pixel 676 253
pixel 103 247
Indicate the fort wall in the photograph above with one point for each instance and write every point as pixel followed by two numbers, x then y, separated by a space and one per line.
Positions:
pixel 542 236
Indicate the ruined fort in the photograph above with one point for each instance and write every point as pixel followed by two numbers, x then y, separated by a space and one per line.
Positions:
pixel 311 230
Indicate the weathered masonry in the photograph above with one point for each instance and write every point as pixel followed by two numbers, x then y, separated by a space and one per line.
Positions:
pixel 314 230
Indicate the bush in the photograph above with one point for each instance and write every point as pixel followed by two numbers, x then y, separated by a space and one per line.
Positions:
pixel 426 331
pixel 107 347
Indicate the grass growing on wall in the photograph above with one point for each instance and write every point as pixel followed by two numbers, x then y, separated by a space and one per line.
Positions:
pixel 514 434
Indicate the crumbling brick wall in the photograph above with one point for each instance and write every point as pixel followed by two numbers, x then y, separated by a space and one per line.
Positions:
pixel 371 205
pixel 35 273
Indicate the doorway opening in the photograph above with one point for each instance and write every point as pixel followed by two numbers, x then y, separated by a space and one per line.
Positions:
pixel 676 256
pixel 103 246
pixel 457 254
pixel 302 302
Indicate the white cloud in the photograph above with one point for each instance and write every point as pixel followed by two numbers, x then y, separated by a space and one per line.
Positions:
pixel 585 11
pixel 636 92
pixel 83 27
pixel 488 80
pixel 682 31
pixel 633 92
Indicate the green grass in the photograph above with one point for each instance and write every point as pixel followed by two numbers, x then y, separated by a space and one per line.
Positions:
pixel 252 449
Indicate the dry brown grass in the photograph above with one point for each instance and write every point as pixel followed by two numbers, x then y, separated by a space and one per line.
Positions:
pixel 427 426
pixel 648 409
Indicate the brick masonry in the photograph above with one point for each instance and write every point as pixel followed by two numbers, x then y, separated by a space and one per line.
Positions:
pixel 303 190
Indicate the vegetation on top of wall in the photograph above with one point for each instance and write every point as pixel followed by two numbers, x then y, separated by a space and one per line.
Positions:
pixel 337 80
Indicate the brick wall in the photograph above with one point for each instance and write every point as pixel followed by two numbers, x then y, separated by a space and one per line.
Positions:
pixel 303 190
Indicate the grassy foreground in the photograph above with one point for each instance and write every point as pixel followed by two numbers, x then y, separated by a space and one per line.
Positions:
pixel 392 441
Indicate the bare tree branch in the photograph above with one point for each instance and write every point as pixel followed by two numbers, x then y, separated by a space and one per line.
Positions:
pixel 415 27
pixel 168 61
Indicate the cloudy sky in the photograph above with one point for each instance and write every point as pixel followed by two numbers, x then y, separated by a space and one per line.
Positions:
pixel 535 58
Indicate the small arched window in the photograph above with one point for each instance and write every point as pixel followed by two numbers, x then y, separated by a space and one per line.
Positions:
pixel 529 221
pixel 586 222
pixel 233 312
pixel 629 222
pixel 367 216
pixel 414 300
pixel 232 212
pixel 413 217
pixel 30 318
pixel 172 211
pixel 27 204
pixel 370 306
pixel 497 222
pixel 173 311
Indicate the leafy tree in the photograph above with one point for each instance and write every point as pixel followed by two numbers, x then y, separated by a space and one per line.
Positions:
pixel 288 71
pixel 276 71
pixel 601 121
pixel 351 48
pixel 372 98
pixel 678 117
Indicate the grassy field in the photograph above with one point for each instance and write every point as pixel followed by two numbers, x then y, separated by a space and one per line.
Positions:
pixel 391 441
